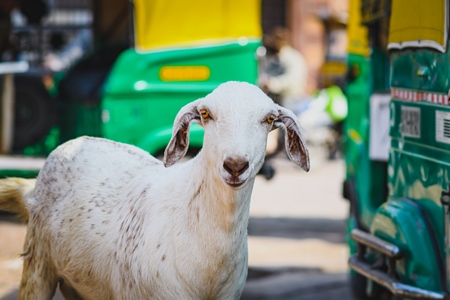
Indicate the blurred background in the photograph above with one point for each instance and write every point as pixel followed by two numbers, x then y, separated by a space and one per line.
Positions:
pixel 110 68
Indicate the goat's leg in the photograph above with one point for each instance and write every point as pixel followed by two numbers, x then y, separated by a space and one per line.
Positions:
pixel 68 292
pixel 38 279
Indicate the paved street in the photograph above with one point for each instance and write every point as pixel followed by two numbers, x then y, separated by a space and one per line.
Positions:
pixel 297 246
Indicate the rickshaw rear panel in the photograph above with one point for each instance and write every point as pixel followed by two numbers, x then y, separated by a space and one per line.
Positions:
pixel 413 216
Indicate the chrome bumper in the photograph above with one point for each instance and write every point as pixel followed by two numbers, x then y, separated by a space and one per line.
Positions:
pixel 357 263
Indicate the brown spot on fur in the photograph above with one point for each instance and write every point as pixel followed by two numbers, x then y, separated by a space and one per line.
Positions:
pixel 159 245
pixel 144 192
pixel 197 192
pixel 163 257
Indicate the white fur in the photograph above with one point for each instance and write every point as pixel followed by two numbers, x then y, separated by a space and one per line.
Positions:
pixel 113 223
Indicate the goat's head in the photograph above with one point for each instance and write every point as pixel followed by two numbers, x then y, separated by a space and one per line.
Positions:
pixel 236 117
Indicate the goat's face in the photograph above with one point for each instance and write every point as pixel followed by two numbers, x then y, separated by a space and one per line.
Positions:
pixel 237 118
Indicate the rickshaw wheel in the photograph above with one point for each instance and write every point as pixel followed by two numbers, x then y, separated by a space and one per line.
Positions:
pixel 358 284
pixel 34 112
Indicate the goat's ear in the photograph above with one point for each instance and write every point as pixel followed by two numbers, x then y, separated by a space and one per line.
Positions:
pixel 179 142
pixel 295 145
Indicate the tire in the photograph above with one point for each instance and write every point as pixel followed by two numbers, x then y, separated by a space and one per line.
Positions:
pixel 34 112
pixel 267 171
pixel 358 284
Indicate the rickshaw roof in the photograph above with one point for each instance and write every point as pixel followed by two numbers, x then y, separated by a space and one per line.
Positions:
pixel 161 24
pixel 418 23
pixel 358 42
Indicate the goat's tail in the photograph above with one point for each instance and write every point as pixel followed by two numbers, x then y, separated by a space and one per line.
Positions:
pixel 14 195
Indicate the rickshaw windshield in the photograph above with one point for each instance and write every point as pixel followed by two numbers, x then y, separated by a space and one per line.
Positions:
pixel 179 23
pixel 418 23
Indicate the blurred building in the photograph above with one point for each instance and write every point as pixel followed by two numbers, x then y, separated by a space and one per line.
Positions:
pixel 307 20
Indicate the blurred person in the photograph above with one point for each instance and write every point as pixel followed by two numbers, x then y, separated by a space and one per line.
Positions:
pixel 327 108
pixel 284 72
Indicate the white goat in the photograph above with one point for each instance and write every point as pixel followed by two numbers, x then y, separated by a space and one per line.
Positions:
pixel 108 221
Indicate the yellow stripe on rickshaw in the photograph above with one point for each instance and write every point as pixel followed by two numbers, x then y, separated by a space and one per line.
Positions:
pixel 184 73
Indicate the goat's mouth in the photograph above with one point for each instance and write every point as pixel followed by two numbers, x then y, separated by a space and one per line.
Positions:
pixel 235 182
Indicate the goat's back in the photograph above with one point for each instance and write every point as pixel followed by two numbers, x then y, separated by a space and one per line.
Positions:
pixel 81 167
pixel 84 195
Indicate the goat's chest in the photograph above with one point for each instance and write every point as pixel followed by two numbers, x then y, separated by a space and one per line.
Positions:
pixel 207 271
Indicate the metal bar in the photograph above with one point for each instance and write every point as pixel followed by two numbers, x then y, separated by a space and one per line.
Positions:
pixel 7 116
pixel 7 103
pixel 13 67
pixel 375 243
pixel 395 287
pixel 9 162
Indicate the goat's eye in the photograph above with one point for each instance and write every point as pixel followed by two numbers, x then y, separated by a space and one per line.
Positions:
pixel 204 114
pixel 270 119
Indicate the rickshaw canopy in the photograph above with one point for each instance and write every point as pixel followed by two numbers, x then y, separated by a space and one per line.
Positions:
pixel 418 23
pixel 358 42
pixel 161 24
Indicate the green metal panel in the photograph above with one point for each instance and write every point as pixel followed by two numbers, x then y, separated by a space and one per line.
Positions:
pixel 356 130
pixel 379 71
pixel 356 126
pixel 402 224
pixel 427 145
pixel 419 167
pixel 139 107
pixel 424 70
pixel 6 173
pixel 78 119
pixel 369 176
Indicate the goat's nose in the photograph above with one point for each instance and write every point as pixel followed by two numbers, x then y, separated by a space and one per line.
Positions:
pixel 235 166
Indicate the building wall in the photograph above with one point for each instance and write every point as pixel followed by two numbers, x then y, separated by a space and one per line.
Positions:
pixel 308 34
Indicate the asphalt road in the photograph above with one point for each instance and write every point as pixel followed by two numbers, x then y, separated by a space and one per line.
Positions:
pixel 297 244
pixel 297 247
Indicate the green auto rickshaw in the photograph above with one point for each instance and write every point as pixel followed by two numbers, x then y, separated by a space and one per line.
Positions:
pixel 178 51
pixel 397 150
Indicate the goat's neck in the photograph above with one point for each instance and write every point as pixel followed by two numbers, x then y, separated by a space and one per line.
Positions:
pixel 222 205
